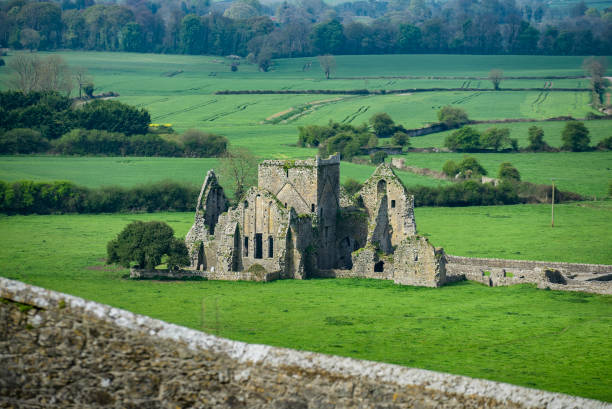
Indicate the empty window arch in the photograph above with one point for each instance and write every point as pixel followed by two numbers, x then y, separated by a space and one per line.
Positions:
pixel 270 247
pixel 379 267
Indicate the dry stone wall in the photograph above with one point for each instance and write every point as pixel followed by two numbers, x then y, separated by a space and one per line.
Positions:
pixel 58 350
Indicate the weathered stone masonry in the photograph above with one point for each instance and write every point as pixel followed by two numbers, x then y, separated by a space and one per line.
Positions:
pixel 298 223
pixel 58 350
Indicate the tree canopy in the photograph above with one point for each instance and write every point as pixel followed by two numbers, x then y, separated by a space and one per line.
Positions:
pixel 144 245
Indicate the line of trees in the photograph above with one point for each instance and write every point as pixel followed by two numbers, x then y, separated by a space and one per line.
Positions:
pixel 38 122
pixel 307 28
pixel 29 197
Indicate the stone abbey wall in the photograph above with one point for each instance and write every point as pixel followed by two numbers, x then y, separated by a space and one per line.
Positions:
pixel 58 350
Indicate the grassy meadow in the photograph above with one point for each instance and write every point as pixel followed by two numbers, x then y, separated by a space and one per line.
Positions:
pixel 549 340
pixel 518 334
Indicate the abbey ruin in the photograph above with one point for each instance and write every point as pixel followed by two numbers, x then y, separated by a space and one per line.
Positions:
pixel 300 223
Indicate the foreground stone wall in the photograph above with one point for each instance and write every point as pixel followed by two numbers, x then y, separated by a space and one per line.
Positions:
pixel 57 350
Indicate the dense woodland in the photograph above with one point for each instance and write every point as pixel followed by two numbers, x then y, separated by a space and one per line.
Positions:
pixel 307 27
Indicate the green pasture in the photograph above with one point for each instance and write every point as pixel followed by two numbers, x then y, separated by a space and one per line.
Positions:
pixel 598 130
pixel 131 171
pixel 550 340
pixel 583 231
pixel 587 173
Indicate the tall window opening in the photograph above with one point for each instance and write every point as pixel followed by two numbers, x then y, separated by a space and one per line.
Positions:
pixel 392 204
pixel 258 246
pixel 270 247
pixel 246 246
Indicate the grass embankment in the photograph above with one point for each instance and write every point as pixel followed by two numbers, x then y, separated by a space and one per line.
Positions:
pixel 544 339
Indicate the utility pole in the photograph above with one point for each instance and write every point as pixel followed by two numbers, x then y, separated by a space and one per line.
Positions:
pixel 552 207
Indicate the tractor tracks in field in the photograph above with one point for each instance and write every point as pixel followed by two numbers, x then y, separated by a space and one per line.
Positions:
pixel 188 109
pixel 351 117
pixel 219 115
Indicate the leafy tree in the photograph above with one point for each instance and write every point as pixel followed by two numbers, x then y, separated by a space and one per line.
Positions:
pixel 575 137
pixel 145 244
pixel 29 39
pixel 536 139
pixel 132 37
pixel 401 138
pixel 328 37
pixel 450 168
pixel 508 172
pixel 202 144
pixel 452 117
pixel 496 76
pixel 383 125
pixel 466 139
pixel 352 186
pixel 498 139
pixel 378 157
pixel 469 166
pixel 191 34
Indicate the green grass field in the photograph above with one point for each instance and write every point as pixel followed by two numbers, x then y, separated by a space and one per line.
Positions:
pixel 586 173
pixel 550 340
pixel 131 171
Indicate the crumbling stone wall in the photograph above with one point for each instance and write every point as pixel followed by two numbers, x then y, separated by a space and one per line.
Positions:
pixel 59 350
pixel 421 263
pixel 399 204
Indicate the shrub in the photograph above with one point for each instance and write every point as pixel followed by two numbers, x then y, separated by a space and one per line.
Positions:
pixel 605 144
pixel 113 116
pixel 144 244
pixel 88 89
pixel 22 140
pixel 378 157
pixel 575 137
pixel 401 138
pixel 508 172
pixel 352 186
pixel 452 117
pixel 470 167
pixel 450 168
pixel 2 63
pixel 202 144
pixel 466 139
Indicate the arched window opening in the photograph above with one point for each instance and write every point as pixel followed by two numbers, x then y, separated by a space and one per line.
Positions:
pixel 312 208
pixel 381 188
pixel 393 204
pixel 246 204
pixel 270 247
pixel 246 246
pixel 379 267
pixel 258 246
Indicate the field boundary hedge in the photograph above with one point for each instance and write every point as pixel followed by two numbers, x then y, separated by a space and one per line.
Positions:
pixel 386 91
pixel 29 197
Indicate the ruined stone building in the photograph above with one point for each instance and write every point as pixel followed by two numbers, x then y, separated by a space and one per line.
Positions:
pixel 300 223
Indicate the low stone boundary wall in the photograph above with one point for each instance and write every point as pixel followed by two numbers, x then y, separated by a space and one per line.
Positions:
pixel 57 350
pixel 243 276
pixel 500 272
pixel 136 273
pixel 458 262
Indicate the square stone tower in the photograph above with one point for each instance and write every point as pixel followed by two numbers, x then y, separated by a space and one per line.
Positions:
pixel 310 187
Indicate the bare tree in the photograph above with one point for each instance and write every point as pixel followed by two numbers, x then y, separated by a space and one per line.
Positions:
pixel 596 69
pixel 32 73
pixel 328 64
pixel 239 169
pixel 496 76
pixel 27 70
pixel 82 78
pixel 29 39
